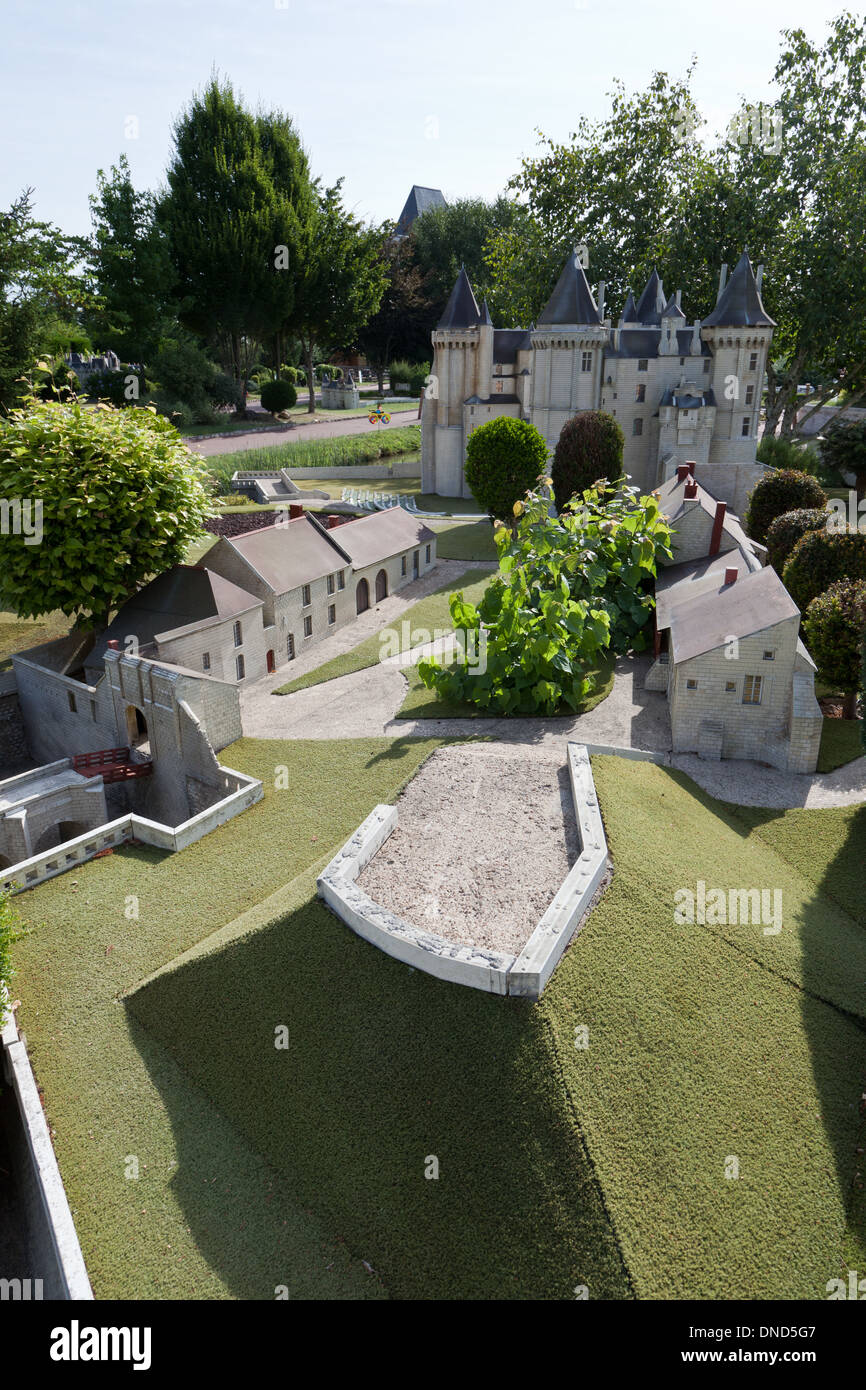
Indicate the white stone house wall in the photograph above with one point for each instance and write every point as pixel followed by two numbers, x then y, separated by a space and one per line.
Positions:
pixel 216 638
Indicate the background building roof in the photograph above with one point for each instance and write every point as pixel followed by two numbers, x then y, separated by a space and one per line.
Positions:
pixel 420 200
pixel 373 538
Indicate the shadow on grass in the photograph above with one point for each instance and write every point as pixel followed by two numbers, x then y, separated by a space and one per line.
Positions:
pixel 388 1073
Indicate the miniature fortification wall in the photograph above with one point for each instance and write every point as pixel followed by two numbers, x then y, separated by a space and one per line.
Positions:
pixel 524 975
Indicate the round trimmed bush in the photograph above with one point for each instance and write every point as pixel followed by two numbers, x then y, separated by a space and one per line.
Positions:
pixel 504 459
pixel 590 447
pixel 781 490
pixel 786 530
pixel 833 626
pixel 278 396
pixel 819 559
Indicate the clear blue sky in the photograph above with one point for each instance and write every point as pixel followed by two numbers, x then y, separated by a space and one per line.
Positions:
pixel 446 93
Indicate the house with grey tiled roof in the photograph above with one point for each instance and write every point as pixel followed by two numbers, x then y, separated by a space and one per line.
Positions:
pixel 680 391
pixel 728 652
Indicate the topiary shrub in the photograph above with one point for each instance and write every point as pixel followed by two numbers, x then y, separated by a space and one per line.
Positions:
pixel 504 459
pixel 590 447
pixel 786 530
pixel 819 559
pixel 278 396
pixel 781 490
pixel 833 626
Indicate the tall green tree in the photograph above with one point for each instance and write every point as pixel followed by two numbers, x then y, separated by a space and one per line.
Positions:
pixel 446 238
pixel 339 285
pixel 400 327
pixel 237 215
pixel 41 295
pixel 130 267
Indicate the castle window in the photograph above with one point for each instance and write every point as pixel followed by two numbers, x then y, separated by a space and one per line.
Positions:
pixel 332 614
pixel 682 361
pixel 330 583
pixel 770 656
pixel 730 685
pixel 205 661
pixel 752 690
pixel 238 634
pixel 642 364
pixel 753 361
pixel 637 426
pixel 239 667
pixel 308 626
pixel 586 361
pixel 706 364
pixel 290 646
pixel 71 698
pixel 691 685
pixel 640 393
pixel 750 395
pixel 745 430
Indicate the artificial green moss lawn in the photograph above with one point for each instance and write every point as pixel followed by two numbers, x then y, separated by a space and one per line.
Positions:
pixel 428 614
pixel 558 1166
pixel 840 743
pixel 423 703
pixel 467 540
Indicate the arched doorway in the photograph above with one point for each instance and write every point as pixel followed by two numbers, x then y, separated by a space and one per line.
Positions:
pixel 362 596
pixel 272 661
pixel 59 833
pixel 136 729
pixel 381 586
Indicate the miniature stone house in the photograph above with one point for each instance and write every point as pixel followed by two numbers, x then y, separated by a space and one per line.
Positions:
pixel 680 392
pixel 739 681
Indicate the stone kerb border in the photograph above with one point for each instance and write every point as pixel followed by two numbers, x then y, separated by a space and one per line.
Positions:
pixel 524 976
pixel 68 1278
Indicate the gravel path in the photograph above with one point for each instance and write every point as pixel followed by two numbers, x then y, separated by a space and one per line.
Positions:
pixel 302 429
pixel 748 784
pixel 485 837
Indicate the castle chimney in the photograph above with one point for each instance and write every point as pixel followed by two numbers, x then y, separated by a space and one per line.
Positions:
pixel 722 278
pixel 718 524
pixel 601 299
pixel 113 645
pixel 682 472
pixel 690 464
pixel 731 575
pixel 691 490
pixel 696 339
pixel 759 277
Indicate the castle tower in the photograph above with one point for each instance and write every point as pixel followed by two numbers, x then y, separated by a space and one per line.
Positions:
pixel 462 367
pixel 672 319
pixel 738 333
pixel 567 350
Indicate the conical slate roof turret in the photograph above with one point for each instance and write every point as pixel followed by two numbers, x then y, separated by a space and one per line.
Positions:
pixel 461 311
pixel 629 313
pixel 672 310
pixel 486 320
pixel 739 304
pixel 571 301
pixel 652 301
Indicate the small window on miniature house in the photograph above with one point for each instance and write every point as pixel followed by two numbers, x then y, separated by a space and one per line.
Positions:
pixel 306 598
pixel 752 690
pixel 753 361
pixel 240 667
pixel 640 393
pixel 341 579
pixel 642 364
pixel 331 584
pixel 308 626
pixel 332 614
pixel 403 565
pixel 205 661
pixel 745 429
pixel 427 556
pixel 71 698
pixel 238 634
pixel 586 361
pixel 691 685
pixel 770 656
pixel 682 361
pixel 290 646
pixel 92 709
pixel 730 685
pixel 750 395
pixel 706 364
pixel 637 426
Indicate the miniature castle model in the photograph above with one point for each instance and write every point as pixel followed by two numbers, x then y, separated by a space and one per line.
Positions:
pixel 739 681
pixel 680 392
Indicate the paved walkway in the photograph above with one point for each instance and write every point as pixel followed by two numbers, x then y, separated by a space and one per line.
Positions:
pixel 301 429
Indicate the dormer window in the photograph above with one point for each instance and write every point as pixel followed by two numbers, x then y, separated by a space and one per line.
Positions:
pixel 642 364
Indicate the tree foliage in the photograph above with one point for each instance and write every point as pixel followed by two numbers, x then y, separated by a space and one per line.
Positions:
pixel 784 532
pixel 589 447
pixel 843 450
pixel 833 626
pixel 504 459
pixel 778 491
pixel 569 589
pixel 819 559
pixel 278 395
pixel 121 499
